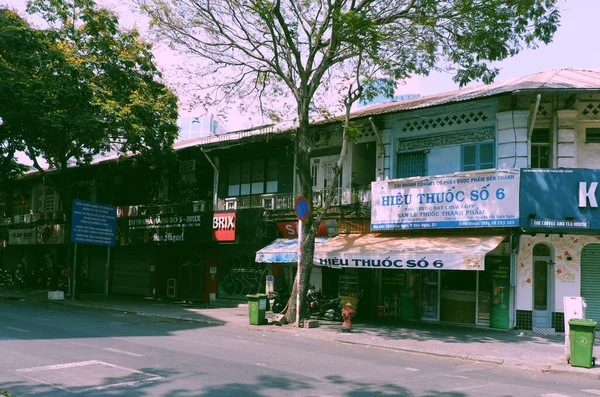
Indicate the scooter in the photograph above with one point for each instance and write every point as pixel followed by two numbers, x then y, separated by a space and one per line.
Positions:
pixel 278 301
pixel 331 309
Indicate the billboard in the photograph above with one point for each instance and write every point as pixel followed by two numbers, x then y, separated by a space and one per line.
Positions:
pixel 561 199
pixel 466 200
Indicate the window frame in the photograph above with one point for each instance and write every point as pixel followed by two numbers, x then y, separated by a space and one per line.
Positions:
pixel 246 183
pixel 478 163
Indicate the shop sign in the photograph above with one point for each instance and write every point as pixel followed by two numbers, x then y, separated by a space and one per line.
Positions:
pixel 163 228
pixel 22 236
pixel 327 228
pixel 402 261
pixel 564 199
pixel 224 226
pixel 482 199
pixel 50 234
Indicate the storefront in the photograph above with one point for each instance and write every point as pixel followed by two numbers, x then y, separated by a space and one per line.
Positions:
pixel 558 252
pixel 162 255
pixel 441 250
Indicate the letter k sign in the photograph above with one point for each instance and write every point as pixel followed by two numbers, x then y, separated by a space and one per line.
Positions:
pixel 586 194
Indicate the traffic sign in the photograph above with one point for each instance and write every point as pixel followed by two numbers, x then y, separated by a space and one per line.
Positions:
pixel 302 208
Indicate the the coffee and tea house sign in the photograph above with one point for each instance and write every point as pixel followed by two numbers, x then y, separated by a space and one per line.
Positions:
pixel 560 199
pixel 481 199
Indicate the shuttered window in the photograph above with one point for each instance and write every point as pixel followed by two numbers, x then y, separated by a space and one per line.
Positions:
pixel 412 164
pixel 590 280
pixel 479 156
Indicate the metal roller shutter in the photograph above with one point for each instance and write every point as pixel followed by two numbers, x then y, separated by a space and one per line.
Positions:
pixel 131 271
pixel 590 280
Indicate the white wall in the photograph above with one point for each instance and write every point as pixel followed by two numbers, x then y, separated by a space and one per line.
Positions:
pixel 567 273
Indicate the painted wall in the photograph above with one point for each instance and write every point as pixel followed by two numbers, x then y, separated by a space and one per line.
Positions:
pixel 567 274
pixel 443 160
pixel 587 153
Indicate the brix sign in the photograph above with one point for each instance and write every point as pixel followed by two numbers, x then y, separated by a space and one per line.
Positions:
pixel 224 226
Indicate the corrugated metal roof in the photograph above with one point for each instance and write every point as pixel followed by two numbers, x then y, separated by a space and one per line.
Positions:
pixel 555 79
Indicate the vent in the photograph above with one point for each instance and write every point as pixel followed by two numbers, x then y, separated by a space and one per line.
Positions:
pixel 592 135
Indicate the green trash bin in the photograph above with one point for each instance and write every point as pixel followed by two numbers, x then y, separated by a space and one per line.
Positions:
pixel 581 339
pixel 257 306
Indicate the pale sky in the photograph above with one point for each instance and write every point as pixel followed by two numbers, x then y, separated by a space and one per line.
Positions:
pixel 574 46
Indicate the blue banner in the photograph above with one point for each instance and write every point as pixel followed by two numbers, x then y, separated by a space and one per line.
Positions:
pixel 93 223
pixel 560 199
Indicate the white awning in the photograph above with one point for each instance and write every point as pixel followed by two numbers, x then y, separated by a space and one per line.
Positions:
pixel 385 251
pixel 283 250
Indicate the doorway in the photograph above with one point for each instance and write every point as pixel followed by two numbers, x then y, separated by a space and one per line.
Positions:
pixel 542 286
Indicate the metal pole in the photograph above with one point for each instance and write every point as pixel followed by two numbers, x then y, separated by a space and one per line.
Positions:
pixel 106 272
pixel 74 272
pixel 298 273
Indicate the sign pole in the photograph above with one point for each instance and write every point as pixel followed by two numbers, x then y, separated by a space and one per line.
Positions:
pixel 298 273
pixel 106 272
pixel 74 273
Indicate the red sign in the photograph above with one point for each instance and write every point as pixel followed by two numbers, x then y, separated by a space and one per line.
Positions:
pixel 224 226
pixel 290 229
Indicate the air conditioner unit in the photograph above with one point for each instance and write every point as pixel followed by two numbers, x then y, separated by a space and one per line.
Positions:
pixel 231 203
pixel 187 166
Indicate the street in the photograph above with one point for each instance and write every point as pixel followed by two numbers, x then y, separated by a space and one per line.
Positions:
pixel 51 350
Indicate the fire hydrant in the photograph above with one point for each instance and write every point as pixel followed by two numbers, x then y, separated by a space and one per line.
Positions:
pixel 347 314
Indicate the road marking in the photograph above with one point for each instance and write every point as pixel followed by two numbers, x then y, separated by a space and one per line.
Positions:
pixel 411 369
pixel 58 366
pixel 458 376
pixel 150 378
pixel 17 329
pixel 43 319
pixel 555 395
pixel 123 352
pixel 592 391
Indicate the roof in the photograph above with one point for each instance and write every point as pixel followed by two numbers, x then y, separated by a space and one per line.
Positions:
pixel 555 79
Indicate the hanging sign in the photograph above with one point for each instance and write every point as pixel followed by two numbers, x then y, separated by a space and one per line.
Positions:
pixel 482 199
pixel 224 226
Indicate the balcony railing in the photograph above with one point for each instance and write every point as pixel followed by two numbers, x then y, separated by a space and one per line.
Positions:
pixel 286 201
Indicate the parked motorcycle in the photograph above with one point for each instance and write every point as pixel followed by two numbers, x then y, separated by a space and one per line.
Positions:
pixel 331 309
pixel 278 301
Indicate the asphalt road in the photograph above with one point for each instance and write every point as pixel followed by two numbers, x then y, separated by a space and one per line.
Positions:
pixel 51 350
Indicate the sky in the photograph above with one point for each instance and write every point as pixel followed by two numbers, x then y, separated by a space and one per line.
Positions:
pixel 574 46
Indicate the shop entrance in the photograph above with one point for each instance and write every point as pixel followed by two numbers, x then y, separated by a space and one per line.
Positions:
pixel 430 282
pixel 458 294
pixel 542 287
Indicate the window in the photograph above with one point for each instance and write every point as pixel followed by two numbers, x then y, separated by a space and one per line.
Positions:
pixel 592 135
pixel 540 148
pixel 479 156
pixel 254 177
pixel 412 164
pixel 196 124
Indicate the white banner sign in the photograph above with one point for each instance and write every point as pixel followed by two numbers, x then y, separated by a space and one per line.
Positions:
pixel 454 201
pixel 403 261
pixel 22 236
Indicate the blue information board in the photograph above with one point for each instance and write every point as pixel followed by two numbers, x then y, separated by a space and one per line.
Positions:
pixel 93 223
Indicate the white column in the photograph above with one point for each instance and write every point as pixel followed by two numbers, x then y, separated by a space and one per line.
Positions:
pixel 511 139
pixel 567 138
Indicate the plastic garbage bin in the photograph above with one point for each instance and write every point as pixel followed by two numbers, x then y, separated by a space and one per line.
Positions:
pixel 257 306
pixel 581 339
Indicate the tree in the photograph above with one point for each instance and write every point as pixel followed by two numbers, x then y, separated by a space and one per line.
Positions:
pixel 79 88
pixel 264 51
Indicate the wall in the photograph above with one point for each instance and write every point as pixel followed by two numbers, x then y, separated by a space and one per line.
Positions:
pixel 587 153
pixel 567 274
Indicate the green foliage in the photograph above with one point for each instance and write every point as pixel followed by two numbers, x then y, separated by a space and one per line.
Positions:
pixel 80 87
pixel 5 393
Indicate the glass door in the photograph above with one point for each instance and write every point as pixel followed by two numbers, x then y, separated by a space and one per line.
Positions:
pixel 542 287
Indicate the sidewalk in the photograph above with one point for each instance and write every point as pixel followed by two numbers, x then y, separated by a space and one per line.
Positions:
pixel 509 348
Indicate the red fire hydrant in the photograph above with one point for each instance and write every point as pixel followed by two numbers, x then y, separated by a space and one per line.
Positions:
pixel 347 314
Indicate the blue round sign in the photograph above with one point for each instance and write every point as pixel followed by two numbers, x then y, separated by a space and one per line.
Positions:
pixel 302 208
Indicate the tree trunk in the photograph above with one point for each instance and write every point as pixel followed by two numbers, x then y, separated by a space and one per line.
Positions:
pixel 307 243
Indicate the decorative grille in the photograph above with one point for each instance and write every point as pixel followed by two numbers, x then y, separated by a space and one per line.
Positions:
pixel 412 164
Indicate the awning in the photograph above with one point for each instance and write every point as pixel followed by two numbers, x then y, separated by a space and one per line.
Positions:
pixel 384 251
pixel 283 250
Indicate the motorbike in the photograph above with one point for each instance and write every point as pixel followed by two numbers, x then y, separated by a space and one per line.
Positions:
pixel 331 309
pixel 278 301
pixel 312 301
